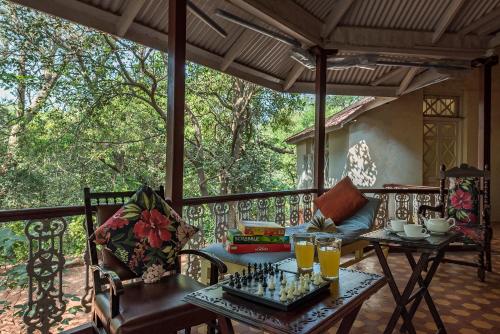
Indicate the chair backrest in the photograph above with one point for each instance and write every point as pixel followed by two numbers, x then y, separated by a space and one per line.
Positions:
pixel 103 205
pixel 466 185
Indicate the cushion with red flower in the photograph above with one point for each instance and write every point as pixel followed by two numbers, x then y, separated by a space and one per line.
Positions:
pixel 146 232
pixel 463 200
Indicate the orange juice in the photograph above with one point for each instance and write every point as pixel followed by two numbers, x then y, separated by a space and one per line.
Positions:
pixel 304 253
pixel 329 261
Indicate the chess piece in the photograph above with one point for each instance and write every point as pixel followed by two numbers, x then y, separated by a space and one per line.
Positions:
pixel 290 294
pixel 244 281
pixel 238 283
pixel 243 273
pixel 249 267
pixel 231 280
pixel 281 275
pixel 276 269
pixel 264 283
pixel 283 280
pixel 260 266
pixel 283 296
pixel 260 290
pixel 266 270
pixel 272 285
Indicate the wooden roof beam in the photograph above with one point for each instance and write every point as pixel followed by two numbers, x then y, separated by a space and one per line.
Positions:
pixel 488 28
pixel 293 75
pixel 495 14
pixel 287 16
pixel 237 48
pixel 446 19
pixel 406 42
pixel 341 89
pixel 410 74
pixel 426 78
pixel 334 17
pixel 131 10
pixel 390 75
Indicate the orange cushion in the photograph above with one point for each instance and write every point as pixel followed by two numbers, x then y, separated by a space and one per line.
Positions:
pixel 341 202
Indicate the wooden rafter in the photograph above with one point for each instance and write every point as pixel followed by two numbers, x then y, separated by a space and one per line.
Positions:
pixel 408 78
pixel 334 17
pixel 236 49
pixel 426 78
pixel 406 42
pixel 480 22
pixel 390 75
pixel 446 19
pixel 131 10
pixel 287 16
pixel 488 28
pixel 293 75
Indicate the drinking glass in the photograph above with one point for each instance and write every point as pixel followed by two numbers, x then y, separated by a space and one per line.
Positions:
pixel 304 251
pixel 329 257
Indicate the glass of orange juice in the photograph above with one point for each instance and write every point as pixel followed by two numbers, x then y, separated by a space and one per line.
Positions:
pixel 329 257
pixel 304 251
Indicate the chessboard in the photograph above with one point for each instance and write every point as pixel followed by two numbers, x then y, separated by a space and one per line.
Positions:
pixel 267 284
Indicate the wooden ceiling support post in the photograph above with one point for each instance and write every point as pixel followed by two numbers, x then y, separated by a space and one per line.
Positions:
pixel 176 100
pixel 319 120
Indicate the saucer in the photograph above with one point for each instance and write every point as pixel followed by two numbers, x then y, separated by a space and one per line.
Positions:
pixel 388 229
pixel 438 233
pixel 421 237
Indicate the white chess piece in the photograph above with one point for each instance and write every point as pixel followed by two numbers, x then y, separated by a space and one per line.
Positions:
pixel 283 281
pixel 290 294
pixel 283 296
pixel 271 284
pixel 260 290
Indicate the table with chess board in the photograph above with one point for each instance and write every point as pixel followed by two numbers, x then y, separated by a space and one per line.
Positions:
pixel 315 309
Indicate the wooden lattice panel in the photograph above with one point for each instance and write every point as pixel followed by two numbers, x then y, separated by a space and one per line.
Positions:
pixel 440 106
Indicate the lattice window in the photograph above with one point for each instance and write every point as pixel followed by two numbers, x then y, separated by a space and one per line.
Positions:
pixel 440 106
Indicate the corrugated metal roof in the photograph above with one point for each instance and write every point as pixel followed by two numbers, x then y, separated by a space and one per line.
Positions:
pixel 263 54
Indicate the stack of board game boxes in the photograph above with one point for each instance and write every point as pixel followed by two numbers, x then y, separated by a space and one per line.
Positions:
pixel 257 236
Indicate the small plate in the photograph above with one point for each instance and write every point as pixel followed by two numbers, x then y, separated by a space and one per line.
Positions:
pixel 388 229
pixel 404 236
pixel 438 233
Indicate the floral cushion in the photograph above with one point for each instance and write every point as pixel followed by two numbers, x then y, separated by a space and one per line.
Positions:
pixel 145 233
pixel 463 200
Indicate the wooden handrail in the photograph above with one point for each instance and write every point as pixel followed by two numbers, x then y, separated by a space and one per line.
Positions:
pixel 68 211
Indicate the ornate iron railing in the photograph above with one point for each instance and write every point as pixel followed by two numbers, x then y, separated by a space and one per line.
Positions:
pixel 46 233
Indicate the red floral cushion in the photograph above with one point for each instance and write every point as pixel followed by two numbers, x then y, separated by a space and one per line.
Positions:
pixel 145 232
pixel 463 200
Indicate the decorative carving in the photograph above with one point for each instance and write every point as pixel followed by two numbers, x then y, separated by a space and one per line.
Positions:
pixel 383 210
pixel 402 206
pixel 307 205
pixel 195 216
pixel 294 201
pixel 279 203
pixel 263 206
pixel 45 267
pixel 244 209
pixel 221 212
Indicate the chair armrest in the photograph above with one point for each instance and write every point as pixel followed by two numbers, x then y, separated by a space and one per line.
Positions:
pixel 221 266
pixel 112 278
pixel 115 290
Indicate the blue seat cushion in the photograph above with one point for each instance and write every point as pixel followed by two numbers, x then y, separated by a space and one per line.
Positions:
pixel 349 231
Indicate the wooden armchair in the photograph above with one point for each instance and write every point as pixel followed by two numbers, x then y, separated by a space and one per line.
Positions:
pixel 122 303
pixel 467 201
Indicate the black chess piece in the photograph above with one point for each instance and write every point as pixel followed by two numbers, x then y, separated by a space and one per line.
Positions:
pixel 244 281
pixel 255 267
pixel 249 275
pixel 266 269
pixel 231 280
pixel 249 267
pixel 237 275
pixel 238 283
pixel 276 268
pixel 260 266
pixel 243 273
pixel 264 283
pixel 281 275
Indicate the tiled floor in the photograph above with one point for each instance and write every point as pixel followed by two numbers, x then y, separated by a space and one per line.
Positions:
pixel 466 305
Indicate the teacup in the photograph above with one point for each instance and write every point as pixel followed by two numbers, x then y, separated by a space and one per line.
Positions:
pixel 414 230
pixel 397 225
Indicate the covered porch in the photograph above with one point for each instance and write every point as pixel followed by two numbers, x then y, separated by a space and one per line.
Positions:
pixel 344 47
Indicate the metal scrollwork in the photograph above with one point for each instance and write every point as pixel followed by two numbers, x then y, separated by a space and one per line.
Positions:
pixel 45 267
pixel 402 206
pixel 263 206
pixel 244 209
pixel 279 217
pixel 221 212
pixel 195 217
pixel 307 205
pixel 294 201
pixel 383 210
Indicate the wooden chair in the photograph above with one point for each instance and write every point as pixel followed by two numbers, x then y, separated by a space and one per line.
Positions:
pixel 122 303
pixel 475 227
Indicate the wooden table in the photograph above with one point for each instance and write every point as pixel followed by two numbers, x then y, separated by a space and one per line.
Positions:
pixel 434 245
pixel 341 302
